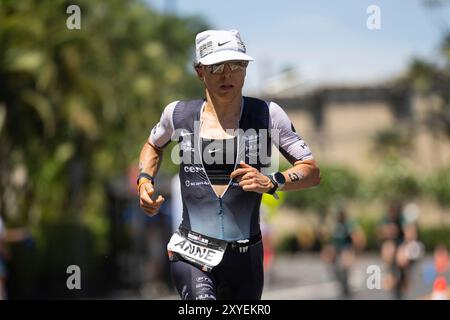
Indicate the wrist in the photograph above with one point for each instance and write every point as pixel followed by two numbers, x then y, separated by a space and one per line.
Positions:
pixel 143 181
pixel 144 175
pixel 144 178
pixel 274 185
pixel 279 178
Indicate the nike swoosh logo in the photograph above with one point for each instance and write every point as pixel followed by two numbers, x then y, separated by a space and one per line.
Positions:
pixel 214 150
pixel 224 43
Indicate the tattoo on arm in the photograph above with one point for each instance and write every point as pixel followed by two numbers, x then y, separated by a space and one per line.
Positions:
pixel 295 176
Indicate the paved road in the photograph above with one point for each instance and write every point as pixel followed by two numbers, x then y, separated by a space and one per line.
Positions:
pixel 305 276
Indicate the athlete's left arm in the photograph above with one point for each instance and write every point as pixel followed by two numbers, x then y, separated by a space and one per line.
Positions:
pixel 303 174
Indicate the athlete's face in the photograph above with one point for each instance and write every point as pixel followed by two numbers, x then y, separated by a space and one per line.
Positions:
pixel 224 81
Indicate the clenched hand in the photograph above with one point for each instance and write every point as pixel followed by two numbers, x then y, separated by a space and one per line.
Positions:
pixel 149 205
pixel 250 179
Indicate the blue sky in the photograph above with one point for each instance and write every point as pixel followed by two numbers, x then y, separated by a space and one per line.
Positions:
pixel 324 41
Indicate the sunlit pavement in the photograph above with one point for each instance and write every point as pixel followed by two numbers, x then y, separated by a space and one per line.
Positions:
pixel 305 276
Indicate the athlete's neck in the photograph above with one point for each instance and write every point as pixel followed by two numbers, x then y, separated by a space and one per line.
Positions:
pixel 221 109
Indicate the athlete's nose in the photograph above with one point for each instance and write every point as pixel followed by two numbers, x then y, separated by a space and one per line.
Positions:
pixel 227 69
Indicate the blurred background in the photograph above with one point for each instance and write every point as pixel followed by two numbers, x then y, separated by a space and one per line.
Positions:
pixel 77 105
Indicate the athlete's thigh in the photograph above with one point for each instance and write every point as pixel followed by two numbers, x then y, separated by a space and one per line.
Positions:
pixel 242 275
pixel 191 282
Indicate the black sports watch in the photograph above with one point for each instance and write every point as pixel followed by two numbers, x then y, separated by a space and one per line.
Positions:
pixel 279 178
pixel 278 181
pixel 274 182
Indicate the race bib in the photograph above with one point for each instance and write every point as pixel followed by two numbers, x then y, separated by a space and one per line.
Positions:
pixel 196 249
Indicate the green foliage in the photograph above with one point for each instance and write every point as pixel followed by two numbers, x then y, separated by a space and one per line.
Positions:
pixel 433 80
pixel 431 237
pixel 438 186
pixel 392 142
pixel 369 228
pixel 422 73
pixel 76 106
pixel 337 184
pixel 394 180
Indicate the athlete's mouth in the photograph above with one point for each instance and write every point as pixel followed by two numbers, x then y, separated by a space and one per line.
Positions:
pixel 226 86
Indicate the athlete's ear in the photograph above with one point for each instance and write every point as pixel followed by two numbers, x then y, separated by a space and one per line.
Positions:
pixel 199 71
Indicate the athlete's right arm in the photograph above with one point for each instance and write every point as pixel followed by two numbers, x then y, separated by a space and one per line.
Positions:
pixel 150 160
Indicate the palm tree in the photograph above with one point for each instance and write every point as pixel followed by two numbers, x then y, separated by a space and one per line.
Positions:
pixel 76 105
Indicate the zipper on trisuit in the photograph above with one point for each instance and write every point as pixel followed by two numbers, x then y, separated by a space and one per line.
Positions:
pixel 222 226
pixel 221 210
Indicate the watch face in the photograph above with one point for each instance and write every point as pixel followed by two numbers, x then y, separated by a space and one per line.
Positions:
pixel 279 178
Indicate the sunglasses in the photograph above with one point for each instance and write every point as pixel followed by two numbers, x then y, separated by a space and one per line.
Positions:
pixel 234 66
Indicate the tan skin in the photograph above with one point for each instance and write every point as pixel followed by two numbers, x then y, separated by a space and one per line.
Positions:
pixel 221 112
